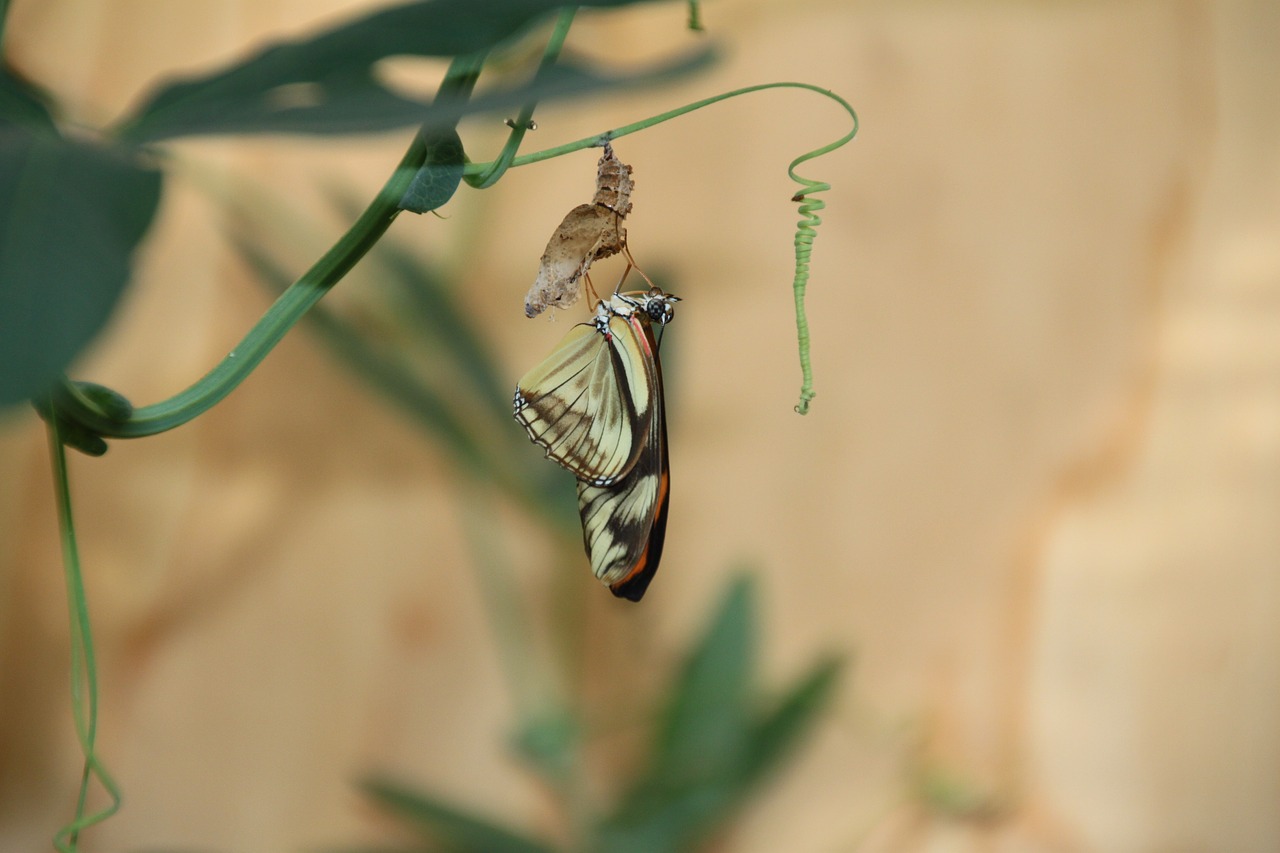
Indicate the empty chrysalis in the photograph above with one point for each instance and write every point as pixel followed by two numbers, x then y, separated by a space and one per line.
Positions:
pixel 588 232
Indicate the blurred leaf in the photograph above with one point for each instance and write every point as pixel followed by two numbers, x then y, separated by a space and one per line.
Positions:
pixel 698 776
pixel 778 731
pixel 438 179
pixel 705 725
pixel 714 748
pixel 548 742
pixel 434 311
pixel 326 84
pixel 694 775
pixel 951 795
pixel 21 102
pixel 430 409
pixel 71 214
pixel 464 831
pixel 435 365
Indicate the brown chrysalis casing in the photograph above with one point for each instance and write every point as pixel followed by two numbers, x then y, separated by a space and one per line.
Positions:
pixel 588 232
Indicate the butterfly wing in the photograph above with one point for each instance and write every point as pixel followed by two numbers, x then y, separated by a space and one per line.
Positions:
pixel 588 404
pixel 624 524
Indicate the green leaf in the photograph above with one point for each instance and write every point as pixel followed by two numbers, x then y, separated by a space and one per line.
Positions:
pixel 549 743
pixel 463 830
pixel 22 103
pixel 431 410
pixel 71 215
pixel 327 84
pixel 440 175
pixel 437 314
pixel 694 776
pixel 715 748
pixel 776 733
pixel 705 724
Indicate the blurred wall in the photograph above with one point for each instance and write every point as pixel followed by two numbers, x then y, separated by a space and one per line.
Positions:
pixel 1036 498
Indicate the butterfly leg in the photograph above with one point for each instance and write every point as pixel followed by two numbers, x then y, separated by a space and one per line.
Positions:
pixel 631 264
pixel 590 288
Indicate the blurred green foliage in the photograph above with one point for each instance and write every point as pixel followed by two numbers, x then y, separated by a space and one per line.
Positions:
pixel 73 210
pixel 715 740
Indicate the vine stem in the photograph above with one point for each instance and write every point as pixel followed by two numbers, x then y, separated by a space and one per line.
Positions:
pixel 299 298
pixel 598 140
pixel 4 19
pixel 84 665
pixel 303 294
pixel 524 121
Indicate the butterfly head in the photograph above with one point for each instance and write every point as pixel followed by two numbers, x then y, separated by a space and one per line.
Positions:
pixel 661 307
pixel 655 304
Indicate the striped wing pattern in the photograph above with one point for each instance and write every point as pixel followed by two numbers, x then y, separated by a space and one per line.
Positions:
pixel 588 403
pixel 624 524
pixel 595 405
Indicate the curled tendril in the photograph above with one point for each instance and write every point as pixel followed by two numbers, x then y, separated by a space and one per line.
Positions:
pixel 805 234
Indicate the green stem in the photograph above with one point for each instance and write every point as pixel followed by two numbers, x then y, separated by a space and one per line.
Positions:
pixel 599 139
pixel 4 19
pixel 555 44
pixel 84 665
pixel 695 15
pixel 299 298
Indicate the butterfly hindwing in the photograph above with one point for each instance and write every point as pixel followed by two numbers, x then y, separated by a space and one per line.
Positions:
pixel 588 403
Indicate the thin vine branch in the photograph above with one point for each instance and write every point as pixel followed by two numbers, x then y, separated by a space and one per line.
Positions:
pixel 299 298
pixel 373 223
pixel 524 121
pixel 84 665
pixel 4 19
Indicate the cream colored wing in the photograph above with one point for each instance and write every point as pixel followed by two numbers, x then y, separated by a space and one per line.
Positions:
pixel 588 404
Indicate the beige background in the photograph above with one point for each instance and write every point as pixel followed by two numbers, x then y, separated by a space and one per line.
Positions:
pixel 1038 496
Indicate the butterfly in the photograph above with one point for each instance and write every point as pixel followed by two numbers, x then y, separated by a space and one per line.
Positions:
pixel 595 406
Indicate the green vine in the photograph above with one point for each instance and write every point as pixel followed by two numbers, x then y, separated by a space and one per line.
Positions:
pixel 4 18
pixel 84 666
pixel 299 298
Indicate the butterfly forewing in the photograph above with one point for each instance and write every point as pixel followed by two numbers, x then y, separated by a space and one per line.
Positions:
pixel 588 403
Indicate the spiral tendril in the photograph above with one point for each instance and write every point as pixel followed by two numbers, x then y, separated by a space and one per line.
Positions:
pixel 805 234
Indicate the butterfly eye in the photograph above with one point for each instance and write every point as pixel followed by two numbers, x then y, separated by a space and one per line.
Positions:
pixel 660 311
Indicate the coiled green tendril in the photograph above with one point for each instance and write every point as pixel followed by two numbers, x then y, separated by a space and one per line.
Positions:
pixel 805 234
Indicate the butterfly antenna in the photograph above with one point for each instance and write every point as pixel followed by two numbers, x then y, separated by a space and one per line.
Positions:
pixel 591 290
